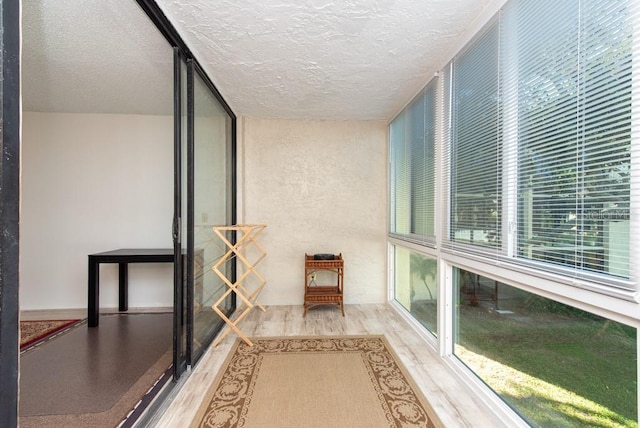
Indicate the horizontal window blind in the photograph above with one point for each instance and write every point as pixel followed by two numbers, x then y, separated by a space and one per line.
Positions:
pixel 573 70
pixel 541 145
pixel 423 165
pixel 400 176
pixel 475 146
pixel 412 141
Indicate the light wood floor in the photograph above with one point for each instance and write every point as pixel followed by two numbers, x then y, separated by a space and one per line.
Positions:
pixel 455 406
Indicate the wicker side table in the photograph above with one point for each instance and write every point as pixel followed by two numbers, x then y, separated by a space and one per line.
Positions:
pixel 324 294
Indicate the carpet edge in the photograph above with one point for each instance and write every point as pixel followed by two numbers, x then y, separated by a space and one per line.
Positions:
pixel 421 396
pixel 202 409
pixel 68 324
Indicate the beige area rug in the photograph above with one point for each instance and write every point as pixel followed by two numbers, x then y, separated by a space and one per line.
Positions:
pixel 346 381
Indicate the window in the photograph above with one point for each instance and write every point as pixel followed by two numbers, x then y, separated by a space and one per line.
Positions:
pixel 574 112
pixel 554 364
pixel 400 176
pixel 416 286
pixel 412 139
pixel 539 187
pixel 476 143
pixel 540 149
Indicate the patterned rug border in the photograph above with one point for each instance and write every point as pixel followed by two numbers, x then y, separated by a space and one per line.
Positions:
pixel 33 343
pixel 211 390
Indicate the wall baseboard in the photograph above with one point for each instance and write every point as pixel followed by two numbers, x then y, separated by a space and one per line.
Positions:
pixel 80 313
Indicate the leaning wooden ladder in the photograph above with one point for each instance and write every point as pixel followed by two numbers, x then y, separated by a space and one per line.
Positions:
pixel 245 239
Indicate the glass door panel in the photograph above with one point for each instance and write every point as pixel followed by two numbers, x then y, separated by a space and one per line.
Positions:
pixel 180 356
pixel 212 206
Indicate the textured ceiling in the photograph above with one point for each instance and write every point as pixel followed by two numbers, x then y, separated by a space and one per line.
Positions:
pixel 94 56
pixel 301 59
pixel 327 59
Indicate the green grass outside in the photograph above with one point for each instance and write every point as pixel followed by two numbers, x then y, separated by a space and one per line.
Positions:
pixel 556 369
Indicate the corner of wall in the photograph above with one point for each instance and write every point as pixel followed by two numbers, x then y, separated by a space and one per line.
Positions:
pixel 240 168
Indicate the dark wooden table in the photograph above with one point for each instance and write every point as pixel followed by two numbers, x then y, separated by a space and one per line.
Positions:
pixel 123 257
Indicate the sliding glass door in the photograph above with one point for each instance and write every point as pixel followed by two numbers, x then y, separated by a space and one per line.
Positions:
pixel 211 206
pixel 204 198
pixel 181 96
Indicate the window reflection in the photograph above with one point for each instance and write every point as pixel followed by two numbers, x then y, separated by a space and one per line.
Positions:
pixel 416 286
pixel 554 364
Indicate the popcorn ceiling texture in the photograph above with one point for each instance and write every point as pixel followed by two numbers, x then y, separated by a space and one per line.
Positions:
pixel 296 59
pixel 94 56
pixel 321 59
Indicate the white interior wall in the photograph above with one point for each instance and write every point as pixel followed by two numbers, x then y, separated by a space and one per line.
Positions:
pixel 320 187
pixel 93 183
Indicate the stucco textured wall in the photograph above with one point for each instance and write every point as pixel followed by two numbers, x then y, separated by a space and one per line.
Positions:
pixel 320 186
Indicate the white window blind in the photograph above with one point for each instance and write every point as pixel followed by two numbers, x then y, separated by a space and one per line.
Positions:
pixel 573 67
pixel 423 165
pixel 400 176
pixel 475 143
pixel 540 161
pixel 412 140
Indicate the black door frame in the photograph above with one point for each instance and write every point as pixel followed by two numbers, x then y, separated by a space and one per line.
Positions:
pixel 9 211
pixel 190 210
pixel 179 314
pixel 183 262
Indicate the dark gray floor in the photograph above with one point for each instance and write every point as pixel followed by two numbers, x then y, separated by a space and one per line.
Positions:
pixel 87 370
